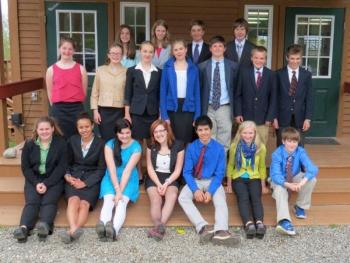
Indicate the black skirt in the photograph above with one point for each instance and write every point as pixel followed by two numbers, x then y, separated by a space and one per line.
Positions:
pixel 65 114
pixel 89 194
pixel 181 123
pixel 141 125
pixel 162 177
pixel 109 117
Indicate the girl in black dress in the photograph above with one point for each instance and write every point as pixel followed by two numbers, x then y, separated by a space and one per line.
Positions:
pixel 86 167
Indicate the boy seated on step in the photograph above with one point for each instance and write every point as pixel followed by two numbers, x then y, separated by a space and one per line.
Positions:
pixel 287 177
pixel 204 169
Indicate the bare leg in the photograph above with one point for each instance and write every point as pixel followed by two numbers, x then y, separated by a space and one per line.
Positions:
pixel 83 213
pixel 170 200
pixel 156 205
pixel 72 213
pixel 139 164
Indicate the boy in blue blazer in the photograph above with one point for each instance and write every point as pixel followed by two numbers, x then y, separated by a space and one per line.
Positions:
pixel 294 95
pixel 255 96
pixel 287 163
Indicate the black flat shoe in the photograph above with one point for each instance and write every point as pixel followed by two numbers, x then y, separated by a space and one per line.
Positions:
pixel 101 231
pixel 250 231
pixel 260 230
pixel 43 231
pixel 21 234
pixel 110 232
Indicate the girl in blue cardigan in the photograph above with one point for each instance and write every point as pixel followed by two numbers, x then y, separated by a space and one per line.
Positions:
pixel 179 92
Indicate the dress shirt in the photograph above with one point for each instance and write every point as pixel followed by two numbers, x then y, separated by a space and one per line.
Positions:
pixel 224 99
pixel 146 73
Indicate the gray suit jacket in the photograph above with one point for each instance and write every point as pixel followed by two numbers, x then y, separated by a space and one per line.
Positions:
pixel 163 57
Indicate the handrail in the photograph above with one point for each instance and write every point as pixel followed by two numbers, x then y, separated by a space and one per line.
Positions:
pixel 20 87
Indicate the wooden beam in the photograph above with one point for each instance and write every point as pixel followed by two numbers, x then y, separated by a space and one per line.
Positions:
pixel 2 68
pixel 20 87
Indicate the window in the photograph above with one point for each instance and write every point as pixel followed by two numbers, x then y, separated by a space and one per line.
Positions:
pixel 81 27
pixel 260 20
pixel 315 34
pixel 136 15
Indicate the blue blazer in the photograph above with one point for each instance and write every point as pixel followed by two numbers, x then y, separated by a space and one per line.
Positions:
pixel 168 90
pixel 205 72
pixel 245 59
pixel 258 105
pixel 302 103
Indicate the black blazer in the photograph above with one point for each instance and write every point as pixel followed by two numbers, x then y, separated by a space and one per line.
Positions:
pixel 56 162
pixel 137 96
pixel 205 72
pixel 245 59
pixel 90 169
pixel 203 56
pixel 177 147
pixel 258 105
pixel 302 103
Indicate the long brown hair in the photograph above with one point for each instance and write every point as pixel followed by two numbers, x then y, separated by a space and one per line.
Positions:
pixel 166 39
pixel 131 53
pixel 57 131
pixel 170 136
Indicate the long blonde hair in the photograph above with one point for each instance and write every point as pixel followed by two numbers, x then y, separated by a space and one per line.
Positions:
pixel 244 125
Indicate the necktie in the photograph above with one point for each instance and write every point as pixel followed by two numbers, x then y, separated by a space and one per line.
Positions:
pixel 258 79
pixel 196 54
pixel 239 51
pixel 199 165
pixel 293 85
pixel 289 172
pixel 215 101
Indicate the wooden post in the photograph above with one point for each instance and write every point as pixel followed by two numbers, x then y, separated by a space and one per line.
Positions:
pixel 3 107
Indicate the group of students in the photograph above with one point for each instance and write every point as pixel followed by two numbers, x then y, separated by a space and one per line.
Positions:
pixel 159 94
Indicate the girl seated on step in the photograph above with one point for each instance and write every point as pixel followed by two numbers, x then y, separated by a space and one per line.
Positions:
pixel 120 183
pixel 86 167
pixel 246 174
pixel 44 163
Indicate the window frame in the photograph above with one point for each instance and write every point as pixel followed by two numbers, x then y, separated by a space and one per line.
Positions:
pixel 268 8
pixel 330 63
pixel 146 5
pixel 58 32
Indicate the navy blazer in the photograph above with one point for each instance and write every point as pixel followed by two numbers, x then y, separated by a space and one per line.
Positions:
pixel 302 103
pixel 168 90
pixel 203 56
pixel 231 53
pixel 258 105
pixel 137 96
pixel 205 75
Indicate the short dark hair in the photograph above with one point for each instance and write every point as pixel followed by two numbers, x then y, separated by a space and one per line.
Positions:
pixel 84 115
pixel 290 133
pixel 241 22
pixel 197 23
pixel 294 49
pixel 203 120
pixel 217 39
pixel 258 49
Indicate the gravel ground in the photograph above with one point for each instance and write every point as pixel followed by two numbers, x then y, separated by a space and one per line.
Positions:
pixel 312 244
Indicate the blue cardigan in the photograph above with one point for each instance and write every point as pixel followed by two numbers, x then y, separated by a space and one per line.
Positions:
pixel 168 90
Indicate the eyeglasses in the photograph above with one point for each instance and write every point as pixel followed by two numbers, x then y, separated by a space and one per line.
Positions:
pixel 159 131
pixel 114 54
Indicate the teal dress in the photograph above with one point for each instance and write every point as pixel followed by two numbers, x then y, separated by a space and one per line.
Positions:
pixel 132 188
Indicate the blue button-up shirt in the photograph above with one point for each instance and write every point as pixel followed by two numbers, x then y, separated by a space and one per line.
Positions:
pixel 224 99
pixel 214 164
pixel 278 172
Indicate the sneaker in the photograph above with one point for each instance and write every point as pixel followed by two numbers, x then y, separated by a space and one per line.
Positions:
pixel 101 231
pixel 206 234
pixel 66 238
pixel 43 231
pixel 161 229
pixel 299 212
pixel 21 234
pixel 155 234
pixel 110 232
pixel 285 227
pixel 77 233
pixel 225 238
pixel 260 230
pixel 250 231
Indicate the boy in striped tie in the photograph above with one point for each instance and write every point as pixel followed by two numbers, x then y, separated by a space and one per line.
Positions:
pixel 204 169
pixel 287 177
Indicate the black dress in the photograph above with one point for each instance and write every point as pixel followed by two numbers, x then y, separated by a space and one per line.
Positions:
pixel 90 169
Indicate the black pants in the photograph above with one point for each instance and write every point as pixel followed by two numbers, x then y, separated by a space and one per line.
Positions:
pixel 42 205
pixel 291 124
pixel 248 193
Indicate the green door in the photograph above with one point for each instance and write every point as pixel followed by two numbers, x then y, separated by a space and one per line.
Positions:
pixel 87 24
pixel 320 32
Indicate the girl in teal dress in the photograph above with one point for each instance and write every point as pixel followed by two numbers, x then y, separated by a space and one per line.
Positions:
pixel 120 183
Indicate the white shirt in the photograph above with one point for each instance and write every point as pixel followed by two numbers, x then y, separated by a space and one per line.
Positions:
pixel 181 81
pixel 200 45
pixel 240 43
pixel 146 73
pixel 255 72
pixel 163 163
pixel 290 73
pixel 85 150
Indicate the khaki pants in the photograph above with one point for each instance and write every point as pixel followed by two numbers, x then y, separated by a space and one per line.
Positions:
pixel 280 194
pixel 263 131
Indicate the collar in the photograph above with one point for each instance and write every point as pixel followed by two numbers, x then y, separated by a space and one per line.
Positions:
pixel 200 43
pixel 202 145
pixel 290 70
pixel 242 42
pixel 260 70
pixel 286 154
pixel 139 66
pixel 38 142
pixel 213 61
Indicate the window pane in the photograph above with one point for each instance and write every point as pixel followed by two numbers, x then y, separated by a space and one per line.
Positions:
pixel 314 26
pixel 140 16
pixel 89 23
pixel 140 34
pixel 76 22
pixel 78 58
pixel 303 20
pixel 325 47
pixel 129 16
pixel 326 26
pixel 302 42
pixel 314 45
pixel 90 63
pixel 62 35
pixel 264 18
pixel 312 66
pixel 324 67
pixel 78 38
pixel 302 29
pixel 64 22
pixel 89 43
pixel 252 37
